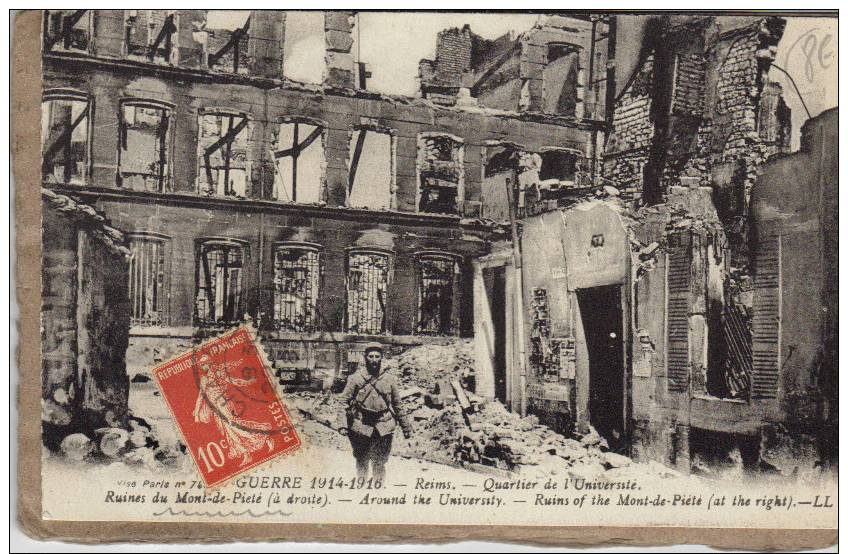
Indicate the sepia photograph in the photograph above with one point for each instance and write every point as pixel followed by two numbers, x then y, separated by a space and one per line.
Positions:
pixel 463 269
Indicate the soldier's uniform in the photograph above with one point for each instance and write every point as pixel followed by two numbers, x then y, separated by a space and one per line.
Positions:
pixel 371 411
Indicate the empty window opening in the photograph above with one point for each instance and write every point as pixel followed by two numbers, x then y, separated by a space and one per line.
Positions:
pixel 438 278
pixel 67 30
pixel 441 173
pixel 561 79
pixel 370 169
pixel 224 155
pixel 300 162
pixel 143 151
pixel 367 289
pixel 297 275
pixel 558 169
pixel 219 283
pixel 147 281
pixel 64 138
pixel 227 40
pixel 304 46
pixel 151 34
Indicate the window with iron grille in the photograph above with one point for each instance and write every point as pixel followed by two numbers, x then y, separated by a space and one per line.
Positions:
pixel 441 173
pixel 151 34
pixel 223 154
pixel 297 274
pixel 438 278
pixel 219 282
pixel 143 150
pixel 148 292
pixel 367 289
pixel 68 30
pixel 299 162
pixel 64 138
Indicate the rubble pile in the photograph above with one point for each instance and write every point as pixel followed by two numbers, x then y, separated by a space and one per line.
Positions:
pixel 428 365
pixel 134 445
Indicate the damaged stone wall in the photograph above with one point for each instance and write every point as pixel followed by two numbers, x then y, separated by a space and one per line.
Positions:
pixel 713 85
pixel 85 317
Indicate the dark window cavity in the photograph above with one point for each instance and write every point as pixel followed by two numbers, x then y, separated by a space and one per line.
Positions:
pixel 143 150
pixel 367 289
pixel 438 279
pixel 219 283
pixel 64 138
pixel 297 274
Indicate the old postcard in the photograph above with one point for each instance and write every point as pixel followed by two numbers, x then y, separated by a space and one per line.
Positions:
pixel 565 277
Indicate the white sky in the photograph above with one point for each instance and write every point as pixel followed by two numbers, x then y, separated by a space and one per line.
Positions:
pixel 806 52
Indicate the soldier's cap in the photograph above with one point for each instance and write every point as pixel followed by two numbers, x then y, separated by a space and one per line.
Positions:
pixel 373 346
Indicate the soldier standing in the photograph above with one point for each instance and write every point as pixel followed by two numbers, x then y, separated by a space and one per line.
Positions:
pixel 370 413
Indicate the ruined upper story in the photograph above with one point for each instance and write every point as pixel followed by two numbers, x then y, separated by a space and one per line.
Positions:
pixel 165 102
pixel 693 100
pixel 558 68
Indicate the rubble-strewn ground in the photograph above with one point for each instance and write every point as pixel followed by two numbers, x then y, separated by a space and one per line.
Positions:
pixel 483 436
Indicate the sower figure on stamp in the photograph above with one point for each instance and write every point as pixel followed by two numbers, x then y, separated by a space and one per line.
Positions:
pixel 371 411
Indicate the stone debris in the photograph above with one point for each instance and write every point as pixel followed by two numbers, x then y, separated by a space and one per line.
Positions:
pixel 77 446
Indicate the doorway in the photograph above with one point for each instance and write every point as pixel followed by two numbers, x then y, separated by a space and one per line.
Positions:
pixel 602 316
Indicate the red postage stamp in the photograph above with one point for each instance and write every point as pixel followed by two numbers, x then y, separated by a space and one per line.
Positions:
pixel 223 402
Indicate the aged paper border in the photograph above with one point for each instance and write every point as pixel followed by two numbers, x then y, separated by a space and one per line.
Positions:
pixel 25 148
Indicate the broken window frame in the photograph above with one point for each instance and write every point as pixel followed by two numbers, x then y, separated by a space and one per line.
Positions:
pixel 305 317
pixel 353 297
pixel 235 255
pixel 234 44
pixel 355 158
pixel 437 325
pixel 295 151
pixel 161 46
pixel 163 165
pixel 245 125
pixel 64 142
pixel 62 39
pixel 438 168
pixel 149 272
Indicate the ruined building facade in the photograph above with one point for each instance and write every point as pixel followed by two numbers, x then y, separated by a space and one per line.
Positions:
pixel 326 214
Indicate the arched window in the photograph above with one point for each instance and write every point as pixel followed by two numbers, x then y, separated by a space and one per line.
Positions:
pixel 367 292
pixel 220 267
pixel 65 117
pixel 144 145
pixel 223 153
pixel 297 277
